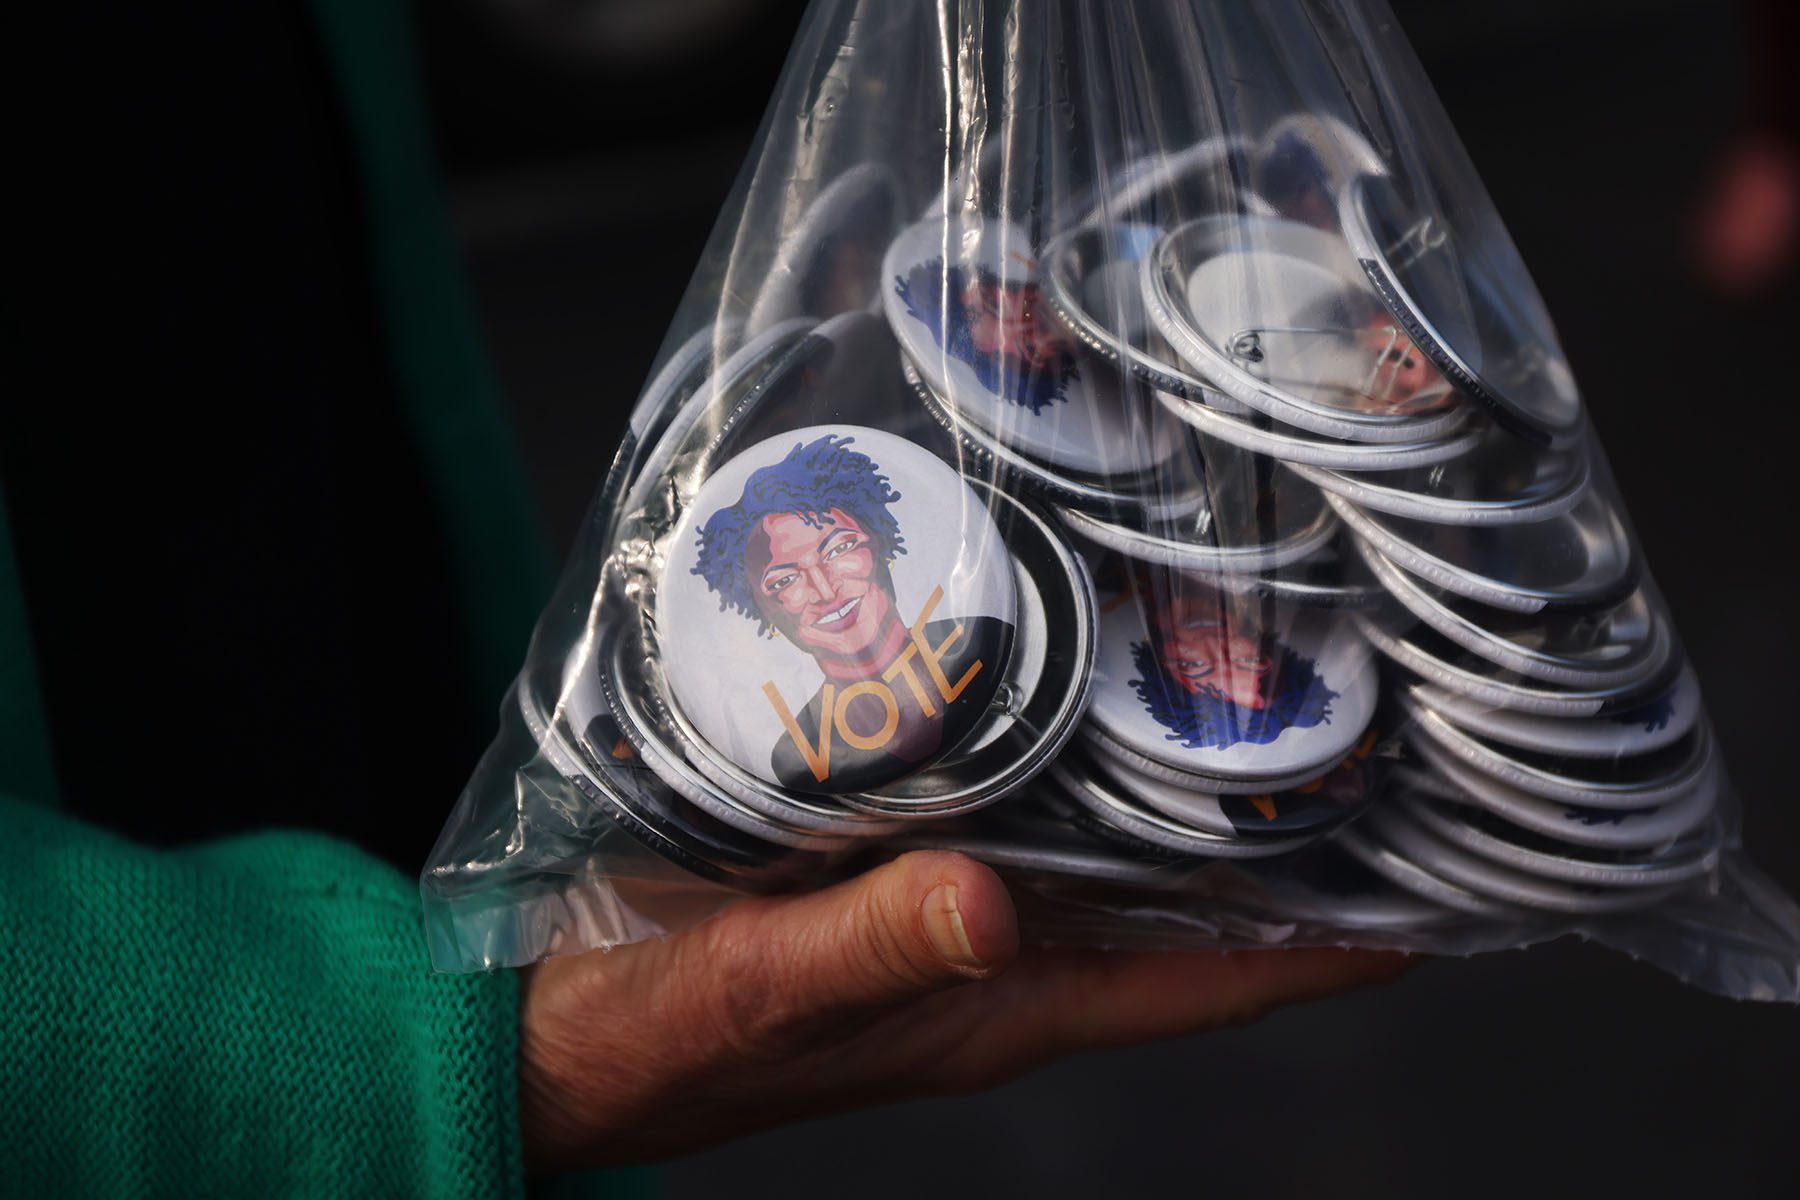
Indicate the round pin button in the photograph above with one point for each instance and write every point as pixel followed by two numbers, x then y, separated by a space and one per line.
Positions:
pixel 1642 781
pixel 1502 481
pixel 1273 312
pixel 1581 825
pixel 675 756
pixel 1373 852
pixel 1112 813
pixel 983 339
pixel 1497 881
pixel 1242 528
pixel 835 610
pixel 1208 686
pixel 1481 833
pixel 1214 420
pixel 1043 691
pixel 1466 302
pixel 1321 804
pixel 830 262
pixel 1165 496
pixel 1582 559
pixel 1441 662
pixel 1660 722
pixel 1613 648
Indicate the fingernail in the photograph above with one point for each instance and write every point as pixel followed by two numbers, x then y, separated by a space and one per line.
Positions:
pixel 944 926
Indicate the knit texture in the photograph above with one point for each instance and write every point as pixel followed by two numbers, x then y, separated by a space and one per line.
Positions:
pixel 251 1017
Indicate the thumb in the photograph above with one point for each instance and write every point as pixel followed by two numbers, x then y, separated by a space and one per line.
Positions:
pixel 778 975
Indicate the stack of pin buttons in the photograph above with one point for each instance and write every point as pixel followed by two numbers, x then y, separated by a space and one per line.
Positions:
pixel 1233 699
pixel 1198 383
pixel 1403 366
pixel 827 633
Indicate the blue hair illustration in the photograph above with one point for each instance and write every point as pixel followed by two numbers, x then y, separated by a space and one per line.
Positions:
pixel 1210 719
pixel 812 480
pixel 1652 716
pixel 1033 387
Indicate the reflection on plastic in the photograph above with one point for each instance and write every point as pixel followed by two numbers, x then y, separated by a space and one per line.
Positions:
pixel 1119 442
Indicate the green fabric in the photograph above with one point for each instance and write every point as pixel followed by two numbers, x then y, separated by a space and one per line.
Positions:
pixel 257 1015
pixel 249 1017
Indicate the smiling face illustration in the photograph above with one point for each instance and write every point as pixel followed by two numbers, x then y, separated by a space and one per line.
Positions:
pixel 821 582
pixel 1212 677
pixel 1203 649
pixel 1002 329
pixel 1012 321
pixel 807 551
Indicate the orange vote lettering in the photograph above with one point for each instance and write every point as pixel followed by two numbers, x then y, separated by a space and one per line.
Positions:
pixel 834 705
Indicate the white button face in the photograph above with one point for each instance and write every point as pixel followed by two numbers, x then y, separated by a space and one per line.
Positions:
pixel 1197 681
pixel 964 300
pixel 836 609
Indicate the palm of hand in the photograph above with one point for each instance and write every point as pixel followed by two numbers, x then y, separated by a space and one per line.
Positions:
pixel 905 982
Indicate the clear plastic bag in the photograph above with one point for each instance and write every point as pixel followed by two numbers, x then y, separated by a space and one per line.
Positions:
pixel 1120 442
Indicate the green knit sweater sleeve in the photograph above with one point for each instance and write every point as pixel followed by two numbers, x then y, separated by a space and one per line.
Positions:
pixel 254 1016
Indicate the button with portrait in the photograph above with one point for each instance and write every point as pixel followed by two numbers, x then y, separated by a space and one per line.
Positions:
pixel 1482 833
pixel 1580 560
pixel 835 611
pixel 1457 287
pixel 1098 804
pixel 1406 836
pixel 976 326
pixel 1201 683
pixel 1438 661
pixel 1276 315
pixel 1658 722
pixel 1637 781
pixel 1442 775
pixel 1331 799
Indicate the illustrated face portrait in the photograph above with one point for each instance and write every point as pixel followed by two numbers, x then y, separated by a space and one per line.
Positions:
pixel 807 550
pixel 1010 320
pixel 1401 380
pixel 1002 330
pixel 1213 680
pixel 821 582
pixel 1201 648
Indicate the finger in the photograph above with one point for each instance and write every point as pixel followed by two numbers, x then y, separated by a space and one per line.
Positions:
pixel 1064 1001
pixel 771 977
pixel 1139 997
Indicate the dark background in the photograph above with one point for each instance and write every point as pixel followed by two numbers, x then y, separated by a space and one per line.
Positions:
pixel 583 188
pixel 220 631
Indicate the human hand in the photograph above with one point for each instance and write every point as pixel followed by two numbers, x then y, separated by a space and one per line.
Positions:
pixel 905 982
